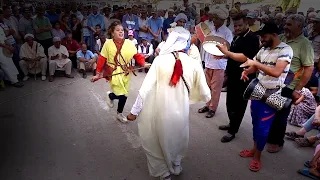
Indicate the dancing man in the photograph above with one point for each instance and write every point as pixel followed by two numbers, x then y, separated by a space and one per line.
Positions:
pixel 114 65
pixel 173 80
pixel 272 64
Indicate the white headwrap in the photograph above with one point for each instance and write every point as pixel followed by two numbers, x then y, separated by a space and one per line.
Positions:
pixel 177 40
pixel 221 12
pixel 181 16
pixel 28 35
pixel 56 39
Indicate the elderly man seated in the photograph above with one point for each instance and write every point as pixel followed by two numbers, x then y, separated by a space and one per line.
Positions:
pixel 87 60
pixel 59 59
pixel 33 60
pixel 147 50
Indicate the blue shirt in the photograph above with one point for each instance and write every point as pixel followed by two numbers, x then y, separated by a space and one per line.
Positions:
pixel 88 55
pixel 53 18
pixel 166 24
pixel 94 20
pixel 132 23
pixel 155 25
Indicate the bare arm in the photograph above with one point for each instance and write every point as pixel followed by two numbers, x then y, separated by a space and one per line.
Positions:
pixel 240 57
pixel 271 71
pixel 305 77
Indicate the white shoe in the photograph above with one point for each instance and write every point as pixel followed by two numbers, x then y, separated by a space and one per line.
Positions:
pixel 109 101
pixel 177 170
pixel 26 78
pixel 43 78
pixel 165 176
pixel 122 118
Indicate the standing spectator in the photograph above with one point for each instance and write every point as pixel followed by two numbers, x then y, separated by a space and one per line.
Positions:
pixel 309 28
pixel 42 27
pixel 85 28
pixel 94 19
pixel 25 23
pixel 279 20
pixel 166 23
pixel 278 10
pixel 233 13
pixel 237 5
pixel 130 22
pixel 65 23
pixel 52 15
pixel 149 10
pixel 57 31
pixel 205 16
pixel 75 26
pixel 143 25
pixel 252 22
pixel 107 20
pixel 155 27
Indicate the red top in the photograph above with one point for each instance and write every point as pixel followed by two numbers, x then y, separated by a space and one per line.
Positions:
pixel 204 18
pixel 72 45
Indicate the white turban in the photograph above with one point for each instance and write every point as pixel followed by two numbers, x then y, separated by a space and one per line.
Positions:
pixel 56 39
pixel 221 12
pixel 177 40
pixel 181 16
pixel 28 35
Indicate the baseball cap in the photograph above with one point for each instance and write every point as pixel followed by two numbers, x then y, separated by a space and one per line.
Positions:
pixel 252 15
pixel 130 33
pixel 268 28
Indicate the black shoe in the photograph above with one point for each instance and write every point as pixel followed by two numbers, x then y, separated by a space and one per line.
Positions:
pixel 84 75
pixel 203 110
pixel 227 138
pixel 18 85
pixel 210 114
pixel 146 70
pixel 224 127
pixel 94 72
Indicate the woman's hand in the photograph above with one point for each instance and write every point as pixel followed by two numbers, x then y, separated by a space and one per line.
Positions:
pixel 131 117
pixel 95 78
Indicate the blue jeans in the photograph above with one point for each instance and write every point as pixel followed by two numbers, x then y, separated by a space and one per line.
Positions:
pixel 308 126
pixel 262 118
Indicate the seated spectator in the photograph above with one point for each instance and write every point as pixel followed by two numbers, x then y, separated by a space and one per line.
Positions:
pixel 57 31
pixel 33 60
pixel 299 136
pixel 301 112
pixel 72 47
pixel 146 48
pixel 313 167
pixel 59 59
pixel 87 60
pixel 132 39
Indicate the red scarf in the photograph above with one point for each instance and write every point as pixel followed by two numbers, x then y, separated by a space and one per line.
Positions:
pixel 177 71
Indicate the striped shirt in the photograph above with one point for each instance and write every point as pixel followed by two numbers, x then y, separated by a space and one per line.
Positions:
pixel 270 57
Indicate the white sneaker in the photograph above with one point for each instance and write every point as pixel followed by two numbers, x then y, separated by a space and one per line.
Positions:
pixel 122 118
pixel 165 176
pixel 177 170
pixel 26 78
pixel 43 78
pixel 109 101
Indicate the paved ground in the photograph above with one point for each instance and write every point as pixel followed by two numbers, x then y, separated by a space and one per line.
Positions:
pixel 65 131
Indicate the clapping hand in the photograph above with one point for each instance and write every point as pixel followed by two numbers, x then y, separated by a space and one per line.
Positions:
pixel 248 63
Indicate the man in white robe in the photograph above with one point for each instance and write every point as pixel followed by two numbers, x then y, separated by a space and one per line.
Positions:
pixel 6 63
pixel 33 60
pixel 59 59
pixel 164 133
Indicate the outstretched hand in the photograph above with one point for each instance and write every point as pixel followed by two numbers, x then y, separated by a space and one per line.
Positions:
pixel 95 78
pixel 131 117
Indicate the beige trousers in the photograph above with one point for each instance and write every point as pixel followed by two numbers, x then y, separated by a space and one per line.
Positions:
pixel 83 66
pixel 215 78
pixel 53 67
pixel 24 65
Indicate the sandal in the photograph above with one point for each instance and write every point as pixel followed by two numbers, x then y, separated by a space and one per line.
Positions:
pixel 307 164
pixel 246 153
pixel 210 114
pixel 293 135
pixel 255 166
pixel 307 173
pixel 203 110
pixel 303 142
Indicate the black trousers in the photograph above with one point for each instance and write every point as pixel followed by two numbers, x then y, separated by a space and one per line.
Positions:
pixel 122 101
pixel 279 124
pixel 46 44
pixel 236 105
pixel 74 61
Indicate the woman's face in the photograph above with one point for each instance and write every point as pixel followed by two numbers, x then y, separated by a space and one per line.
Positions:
pixel 118 32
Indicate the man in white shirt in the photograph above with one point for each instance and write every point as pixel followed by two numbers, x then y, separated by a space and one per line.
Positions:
pixel 215 66
pixel 147 50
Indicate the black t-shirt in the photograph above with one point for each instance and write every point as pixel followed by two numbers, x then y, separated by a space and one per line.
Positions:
pixel 248 44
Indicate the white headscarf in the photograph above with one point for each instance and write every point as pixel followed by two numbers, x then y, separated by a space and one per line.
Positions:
pixel 56 39
pixel 181 16
pixel 221 12
pixel 28 35
pixel 177 40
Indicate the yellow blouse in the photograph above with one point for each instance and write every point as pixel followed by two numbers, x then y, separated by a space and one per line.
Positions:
pixel 119 83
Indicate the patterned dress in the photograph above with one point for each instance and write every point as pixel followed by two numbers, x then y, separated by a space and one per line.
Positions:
pixel 301 112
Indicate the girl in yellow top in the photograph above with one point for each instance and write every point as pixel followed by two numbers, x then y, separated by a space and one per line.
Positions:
pixel 116 54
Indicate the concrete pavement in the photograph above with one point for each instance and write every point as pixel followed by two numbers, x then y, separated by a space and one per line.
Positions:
pixel 64 130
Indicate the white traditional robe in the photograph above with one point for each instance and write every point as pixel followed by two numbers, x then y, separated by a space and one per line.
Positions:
pixel 195 54
pixel 53 51
pixel 164 118
pixel 33 52
pixel 6 63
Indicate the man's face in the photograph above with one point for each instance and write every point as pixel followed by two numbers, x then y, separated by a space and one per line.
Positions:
pixel 170 14
pixel 52 8
pixel 154 15
pixel 278 10
pixel 251 21
pixel 84 48
pixel 316 26
pixel 95 10
pixel 240 26
pixel 291 27
pixel 98 29
pixel 185 3
pixel 217 21
pixel 40 12
pixel 237 6
pixel 144 42
pixel 310 10
pixel 181 23
pixel 69 36
pixel 210 17
pixel 29 40
pixel 267 40
pixel 28 14
pixel 233 13
pixel 7 12
pixel 57 44
pixel 143 14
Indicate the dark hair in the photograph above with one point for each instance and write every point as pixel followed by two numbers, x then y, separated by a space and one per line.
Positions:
pixel 5 8
pixel 98 25
pixel 206 8
pixel 113 26
pixel 241 16
pixel 280 8
pixel 238 3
